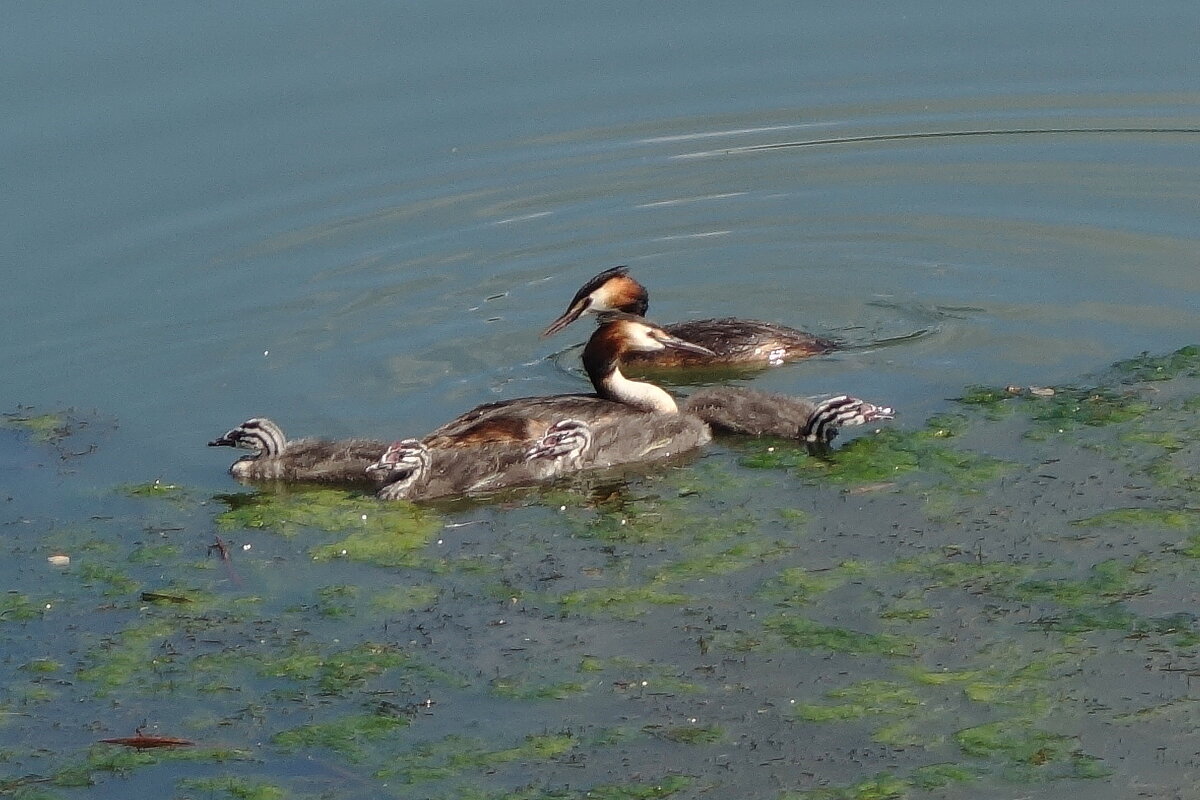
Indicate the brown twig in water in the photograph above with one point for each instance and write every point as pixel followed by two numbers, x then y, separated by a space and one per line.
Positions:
pixel 223 549
pixel 220 546
pixel 148 742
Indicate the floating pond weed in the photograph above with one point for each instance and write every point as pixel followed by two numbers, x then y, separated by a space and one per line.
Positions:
pixel 707 564
pixel 335 672
pixel 892 787
pixel 1071 408
pixel 797 586
pixel 453 755
pixel 17 607
pixel 878 787
pixel 1184 362
pixel 887 454
pixel 687 734
pixel 156 554
pixel 1023 752
pixel 349 735
pixel 333 510
pixel 906 616
pixel 619 602
pixel 116 582
pixel 1109 581
pixel 630 675
pixel 519 690
pixel 1178 519
pixel 866 698
pixel 44 427
pixel 995 400
pixel 384 534
pixel 236 788
pixel 807 634
pixel 399 599
pixel 156 489
pixel 128 656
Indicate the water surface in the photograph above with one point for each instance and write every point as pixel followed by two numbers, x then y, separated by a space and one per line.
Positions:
pixel 356 220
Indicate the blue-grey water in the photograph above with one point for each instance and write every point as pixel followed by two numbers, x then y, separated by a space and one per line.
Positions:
pixel 356 217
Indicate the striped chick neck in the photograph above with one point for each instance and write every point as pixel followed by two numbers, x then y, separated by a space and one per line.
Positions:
pixel 259 435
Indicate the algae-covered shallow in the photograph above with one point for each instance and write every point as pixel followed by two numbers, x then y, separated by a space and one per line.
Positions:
pixel 997 600
pixel 355 218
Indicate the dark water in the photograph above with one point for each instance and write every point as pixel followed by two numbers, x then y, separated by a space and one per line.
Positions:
pixel 356 217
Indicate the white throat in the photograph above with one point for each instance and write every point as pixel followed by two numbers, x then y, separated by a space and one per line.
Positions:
pixel 639 394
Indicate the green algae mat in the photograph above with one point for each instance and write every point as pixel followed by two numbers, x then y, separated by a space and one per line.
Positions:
pixel 999 601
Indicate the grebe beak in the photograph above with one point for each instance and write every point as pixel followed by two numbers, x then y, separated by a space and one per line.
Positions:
pixel 397 458
pixel 573 313
pixel 387 461
pixel 228 440
pixel 674 342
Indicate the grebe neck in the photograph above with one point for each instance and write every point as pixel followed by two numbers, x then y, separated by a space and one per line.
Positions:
pixel 260 435
pixel 618 335
pixel 265 435
pixel 613 385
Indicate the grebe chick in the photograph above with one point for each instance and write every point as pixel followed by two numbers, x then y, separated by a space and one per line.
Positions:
pixel 756 413
pixel 565 441
pixel 275 458
pixel 733 342
pixel 571 441
pixel 411 470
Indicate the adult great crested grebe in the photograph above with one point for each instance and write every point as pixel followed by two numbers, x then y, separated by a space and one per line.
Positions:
pixel 532 439
pixel 275 458
pixel 732 342
pixel 488 447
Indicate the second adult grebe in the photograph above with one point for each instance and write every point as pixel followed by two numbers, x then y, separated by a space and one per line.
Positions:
pixel 732 342
pixel 275 458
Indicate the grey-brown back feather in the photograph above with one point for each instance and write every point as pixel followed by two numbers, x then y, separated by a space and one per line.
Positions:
pixel 644 438
pixel 758 413
pixel 618 437
pixel 737 341
pixel 452 471
pixel 750 411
